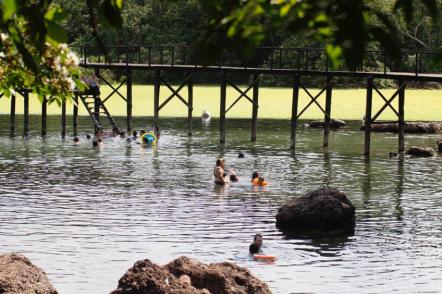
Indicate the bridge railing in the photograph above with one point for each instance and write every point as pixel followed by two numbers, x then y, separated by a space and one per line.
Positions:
pixel 270 58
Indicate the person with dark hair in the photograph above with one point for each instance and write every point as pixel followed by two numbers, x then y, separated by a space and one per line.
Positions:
pixel 76 140
pixel 219 172
pixel 255 247
pixel 134 135
pixel 88 136
pixel 255 175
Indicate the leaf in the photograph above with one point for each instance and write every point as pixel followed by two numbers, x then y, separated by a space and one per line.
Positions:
pixel 55 33
pixel 334 54
pixel 9 9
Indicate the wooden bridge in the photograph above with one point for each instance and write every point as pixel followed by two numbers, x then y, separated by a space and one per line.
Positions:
pixel 296 63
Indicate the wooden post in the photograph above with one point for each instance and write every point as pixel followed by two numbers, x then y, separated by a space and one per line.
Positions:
pixel 156 97
pixel 328 96
pixel 26 112
pixel 190 107
pixel 44 112
pixel 97 103
pixel 294 112
pixel 367 120
pixel 401 145
pixel 12 117
pixel 222 110
pixel 63 118
pixel 255 78
pixel 129 102
pixel 75 115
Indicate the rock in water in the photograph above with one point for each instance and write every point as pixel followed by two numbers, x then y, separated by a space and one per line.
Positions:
pixel 185 275
pixel 322 209
pixel 19 275
pixel 334 124
pixel 410 127
pixel 421 151
pixel 439 146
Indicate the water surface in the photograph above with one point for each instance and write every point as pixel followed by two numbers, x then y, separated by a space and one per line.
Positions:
pixel 85 216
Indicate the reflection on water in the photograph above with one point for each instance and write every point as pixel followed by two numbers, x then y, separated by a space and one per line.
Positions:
pixel 86 215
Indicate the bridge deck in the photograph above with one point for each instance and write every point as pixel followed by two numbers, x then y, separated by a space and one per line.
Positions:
pixel 409 76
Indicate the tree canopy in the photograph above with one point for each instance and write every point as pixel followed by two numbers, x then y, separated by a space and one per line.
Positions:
pixel 33 53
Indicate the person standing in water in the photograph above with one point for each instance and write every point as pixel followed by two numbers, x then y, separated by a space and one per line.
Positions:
pixel 220 173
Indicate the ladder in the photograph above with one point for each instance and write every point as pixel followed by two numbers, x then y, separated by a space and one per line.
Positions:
pixel 95 107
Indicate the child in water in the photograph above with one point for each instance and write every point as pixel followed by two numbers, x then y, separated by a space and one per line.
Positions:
pixel 257 180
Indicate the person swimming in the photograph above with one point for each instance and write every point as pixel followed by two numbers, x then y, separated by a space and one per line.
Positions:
pixel 258 180
pixel 255 247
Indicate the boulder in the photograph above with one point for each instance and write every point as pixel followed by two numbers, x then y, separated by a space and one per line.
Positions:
pixel 334 124
pixel 410 127
pixel 185 275
pixel 322 209
pixel 421 151
pixel 19 275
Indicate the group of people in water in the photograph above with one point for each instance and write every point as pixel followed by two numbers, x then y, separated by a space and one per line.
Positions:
pixel 222 177
pixel 142 137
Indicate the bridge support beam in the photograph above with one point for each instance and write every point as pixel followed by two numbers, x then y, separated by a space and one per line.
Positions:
pixel 294 120
pixel 401 143
pixel 255 106
pixel 63 118
pixel 129 102
pixel 44 112
pixel 26 113
pixel 12 117
pixel 75 114
pixel 222 110
pixel 367 119
pixel 328 96
pixel 156 97
pixel 189 106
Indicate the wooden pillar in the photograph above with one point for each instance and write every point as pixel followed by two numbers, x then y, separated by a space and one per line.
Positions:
pixel 255 78
pixel 156 97
pixel 328 96
pixel 401 145
pixel 367 120
pixel 222 110
pixel 63 118
pixel 294 123
pixel 26 112
pixel 12 117
pixel 97 103
pixel 44 113
pixel 190 107
pixel 129 102
pixel 75 115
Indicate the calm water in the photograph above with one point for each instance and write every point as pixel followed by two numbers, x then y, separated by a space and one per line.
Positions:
pixel 86 216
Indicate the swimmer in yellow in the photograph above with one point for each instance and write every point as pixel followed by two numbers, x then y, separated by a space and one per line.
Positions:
pixel 258 181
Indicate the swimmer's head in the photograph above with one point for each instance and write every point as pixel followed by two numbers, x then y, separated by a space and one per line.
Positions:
pixel 255 175
pixel 220 162
pixel 94 143
pixel 233 178
pixel 76 140
pixel 134 133
pixel 260 179
pixel 99 140
pixel 257 239
pixel 142 132
pixel 122 134
pixel 88 136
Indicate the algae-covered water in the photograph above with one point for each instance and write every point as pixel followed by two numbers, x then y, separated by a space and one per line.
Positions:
pixel 85 216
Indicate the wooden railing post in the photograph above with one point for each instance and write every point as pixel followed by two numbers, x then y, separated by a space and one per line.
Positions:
pixel 294 120
pixel 367 119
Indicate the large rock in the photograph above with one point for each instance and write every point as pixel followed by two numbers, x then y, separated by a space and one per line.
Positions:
pixel 19 275
pixel 334 124
pixel 410 127
pixel 421 151
pixel 185 275
pixel 322 209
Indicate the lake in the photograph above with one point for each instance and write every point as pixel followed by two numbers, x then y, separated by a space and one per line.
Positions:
pixel 85 216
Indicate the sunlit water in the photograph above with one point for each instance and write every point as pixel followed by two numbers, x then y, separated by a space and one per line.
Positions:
pixel 85 216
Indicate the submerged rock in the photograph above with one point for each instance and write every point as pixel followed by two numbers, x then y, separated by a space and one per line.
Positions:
pixel 421 151
pixel 334 124
pixel 185 275
pixel 19 275
pixel 410 127
pixel 322 209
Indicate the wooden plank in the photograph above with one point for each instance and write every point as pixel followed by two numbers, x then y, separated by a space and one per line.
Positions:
pixel 294 120
pixel 12 117
pixel 63 118
pixel 327 114
pixel 255 106
pixel 75 114
pixel 189 107
pixel 26 113
pixel 44 111
pixel 129 102
pixel 367 121
pixel 401 143
pixel 156 97
pixel 222 110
